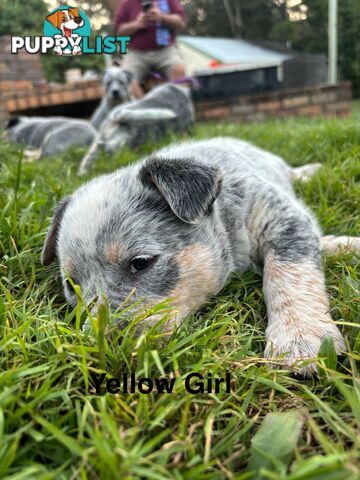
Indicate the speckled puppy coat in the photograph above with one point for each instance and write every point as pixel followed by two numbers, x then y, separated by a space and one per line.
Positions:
pixel 166 108
pixel 178 223
pixel 54 135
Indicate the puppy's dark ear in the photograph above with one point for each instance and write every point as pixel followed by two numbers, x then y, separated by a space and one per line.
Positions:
pixel 49 249
pixel 190 188
pixel 12 122
pixel 129 75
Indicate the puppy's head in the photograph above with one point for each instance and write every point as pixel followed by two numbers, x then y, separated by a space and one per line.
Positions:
pixel 13 122
pixel 116 82
pixel 149 230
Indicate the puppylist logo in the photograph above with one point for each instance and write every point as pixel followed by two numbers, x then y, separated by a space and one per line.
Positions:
pixel 67 31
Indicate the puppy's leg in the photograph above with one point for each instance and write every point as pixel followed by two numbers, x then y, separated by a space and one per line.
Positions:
pixel 100 114
pixel 332 245
pixel 297 308
pixel 305 172
pixel 288 243
pixel 90 157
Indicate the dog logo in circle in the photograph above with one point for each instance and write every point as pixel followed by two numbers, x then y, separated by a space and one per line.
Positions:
pixel 67 25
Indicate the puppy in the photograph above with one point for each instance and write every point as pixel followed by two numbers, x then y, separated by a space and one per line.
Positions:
pixel 66 21
pixel 21 130
pixel 178 223
pixel 116 84
pixel 166 108
pixel 72 133
pixel 54 135
pixel 49 136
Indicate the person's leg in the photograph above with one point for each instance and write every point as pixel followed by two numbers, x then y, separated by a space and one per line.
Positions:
pixel 138 64
pixel 176 71
pixel 170 63
pixel 136 89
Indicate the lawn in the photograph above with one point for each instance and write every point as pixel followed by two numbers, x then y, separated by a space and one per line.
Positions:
pixel 271 426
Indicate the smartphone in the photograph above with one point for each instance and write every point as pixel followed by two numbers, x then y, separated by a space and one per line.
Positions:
pixel 146 5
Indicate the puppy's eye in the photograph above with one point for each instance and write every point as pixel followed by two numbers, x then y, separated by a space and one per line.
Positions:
pixel 69 285
pixel 140 263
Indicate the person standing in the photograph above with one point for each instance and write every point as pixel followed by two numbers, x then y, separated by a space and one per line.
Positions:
pixel 153 26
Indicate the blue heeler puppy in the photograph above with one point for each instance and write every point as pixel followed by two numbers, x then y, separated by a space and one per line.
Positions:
pixel 167 107
pixel 178 223
pixel 116 83
pixel 30 131
pixel 53 135
pixel 50 136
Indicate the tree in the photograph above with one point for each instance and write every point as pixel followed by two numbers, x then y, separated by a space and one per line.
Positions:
pixel 252 20
pixel 234 14
pixel 349 42
pixel 98 11
pixel 307 35
pixel 22 18
pixel 310 35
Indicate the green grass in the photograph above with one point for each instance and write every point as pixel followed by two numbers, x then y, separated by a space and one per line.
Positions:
pixel 53 426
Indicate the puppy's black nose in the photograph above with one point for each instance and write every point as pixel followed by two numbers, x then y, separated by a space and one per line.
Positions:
pixel 116 94
pixel 78 20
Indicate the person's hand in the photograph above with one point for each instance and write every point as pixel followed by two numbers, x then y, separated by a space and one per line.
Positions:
pixel 154 15
pixel 141 21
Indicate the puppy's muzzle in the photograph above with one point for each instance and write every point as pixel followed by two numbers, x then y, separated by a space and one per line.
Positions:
pixel 116 94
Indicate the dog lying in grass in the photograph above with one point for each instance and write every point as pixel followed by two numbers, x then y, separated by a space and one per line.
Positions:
pixel 178 223
pixel 167 107
pixel 51 136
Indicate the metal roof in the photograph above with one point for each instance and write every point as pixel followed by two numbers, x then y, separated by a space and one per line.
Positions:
pixel 230 50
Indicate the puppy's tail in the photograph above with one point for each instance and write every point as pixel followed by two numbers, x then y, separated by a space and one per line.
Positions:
pixel 332 245
pixel 91 155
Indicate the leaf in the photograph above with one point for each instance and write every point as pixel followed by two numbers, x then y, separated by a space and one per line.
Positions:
pixel 103 317
pixel 69 442
pixel 208 434
pixel 328 353
pixel 273 444
pixel 157 360
pixel 1 425
pixel 2 311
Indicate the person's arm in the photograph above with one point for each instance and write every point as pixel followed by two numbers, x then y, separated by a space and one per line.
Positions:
pixel 124 24
pixel 129 28
pixel 174 20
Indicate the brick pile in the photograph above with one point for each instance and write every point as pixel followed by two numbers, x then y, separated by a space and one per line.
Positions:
pixel 52 95
pixel 320 100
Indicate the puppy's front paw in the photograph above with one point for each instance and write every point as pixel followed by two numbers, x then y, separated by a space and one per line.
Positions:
pixel 303 342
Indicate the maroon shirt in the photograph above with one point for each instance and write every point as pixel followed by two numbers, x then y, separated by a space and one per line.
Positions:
pixel 144 39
